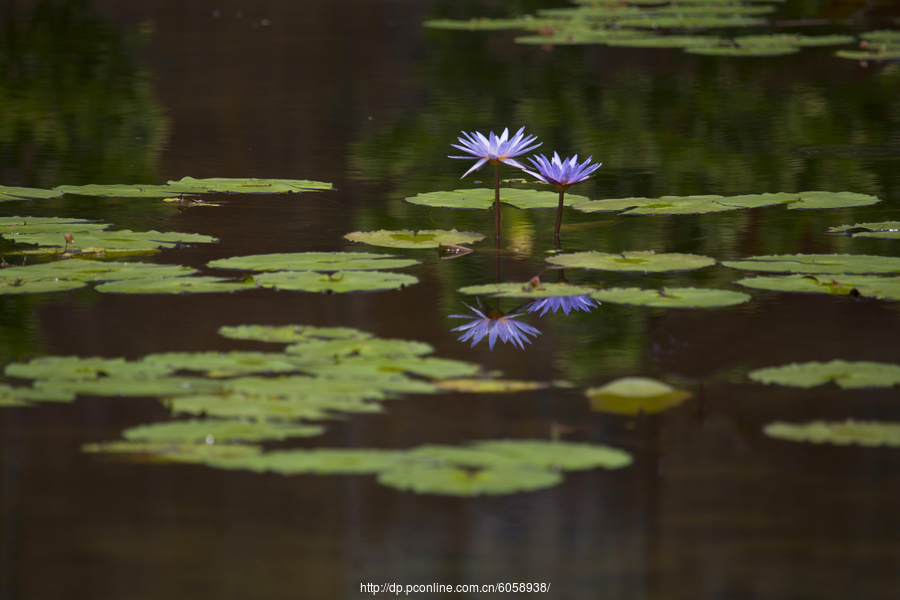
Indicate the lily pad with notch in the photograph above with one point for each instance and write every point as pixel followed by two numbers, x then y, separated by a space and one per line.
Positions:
pixel 639 261
pixel 216 431
pixel 414 239
pixel 841 433
pixel 483 198
pixel 817 263
pixel 672 297
pixel 337 283
pixel 526 290
pixel 846 374
pixel 174 285
pixel 314 261
pixel 456 481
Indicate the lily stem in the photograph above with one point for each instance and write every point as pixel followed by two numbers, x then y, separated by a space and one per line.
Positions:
pixel 497 200
pixel 562 194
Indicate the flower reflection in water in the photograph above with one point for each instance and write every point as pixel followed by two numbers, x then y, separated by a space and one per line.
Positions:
pixel 495 324
pixel 564 303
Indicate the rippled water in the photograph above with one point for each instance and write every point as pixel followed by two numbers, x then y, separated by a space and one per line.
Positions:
pixel 355 92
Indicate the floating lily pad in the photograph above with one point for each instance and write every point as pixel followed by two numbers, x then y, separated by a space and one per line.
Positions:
pixel 490 386
pixel 93 270
pixel 215 431
pixel 793 39
pixel 191 453
pixel 642 261
pixel 242 406
pixel 23 396
pixel 452 481
pixel 862 433
pixel 303 387
pixel 322 461
pixel 434 455
pixel 666 205
pixel 819 200
pixel 20 286
pixel 75 368
pixel 672 297
pixel 759 200
pixel 228 185
pixel 882 36
pixel 117 190
pixel 847 375
pixel 367 347
pixel 111 241
pixel 485 24
pixel 10 226
pixel 876 53
pixel 568 456
pixel 372 367
pixel 870 286
pixel 817 263
pixel 889 230
pixel 226 364
pixel 483 198
pixel 414 239
pixel 691 22
pixel 338 283
pixel 174 285
pixel 291 333
pixel 314 261
pixel 749 51
pixel 597 12
pixel 572 36
pixel 120 386
pixel 26 193
pixel 635 395
pixel 666 41
pixel 526 290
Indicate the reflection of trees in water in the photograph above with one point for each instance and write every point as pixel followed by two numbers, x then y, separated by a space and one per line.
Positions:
pixel 76 105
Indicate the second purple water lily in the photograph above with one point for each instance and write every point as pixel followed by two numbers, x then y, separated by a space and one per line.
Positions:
pixel 561 174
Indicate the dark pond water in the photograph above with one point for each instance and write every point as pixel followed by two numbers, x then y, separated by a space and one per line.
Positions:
pixel 357 93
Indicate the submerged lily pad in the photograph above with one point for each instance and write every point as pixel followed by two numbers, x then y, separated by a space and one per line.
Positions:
pixel 870 286
pixel 314 261
pixel 567 456
pixel 672 297
pixel 333 461
pixel 93 270
pixel 26 193
pixel 454 481
pixel 112 241
pixel 225 363
pixel 174 285
pixel 642 261
pixel 215 431
pixel 635 395
pixel 292 333
pixel 490 386
pixel 817 263
pixel 11 226
pixel 75 368
pixel 191 453
pixel 21 286
pixel 847 375
pixel 483 198
pixel 526 290
pixel 121 386
pixel 414 239
pixel 666 205
pixel 889 230
pixel 338 283
pixel 863 433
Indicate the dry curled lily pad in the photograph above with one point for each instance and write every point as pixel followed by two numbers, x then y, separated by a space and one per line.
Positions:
pixel 21 286
pixel 455 481
pixel 405 238
pixel 190 453
pixel 889 230
pixel 483 198
pixel 490 386
pixel 846 374
pixel 817 263
pixel 288 334
pixel 665 205
pixel 174 285
pixel 869 286
pixel 224 364
pixel 861 433
pixel 321 461
pixel 645 262
pixel 527 290
pixel 567 456
pixel 93 270
pixel 75 368
pixel 336 283
pixel 216 431
pixel 314 261
pixel 672 297
pixel 11 226
pixel 635 395
pixel 93 242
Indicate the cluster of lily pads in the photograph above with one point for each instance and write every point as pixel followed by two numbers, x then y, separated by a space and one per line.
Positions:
pixel 640 23
pixel 238 400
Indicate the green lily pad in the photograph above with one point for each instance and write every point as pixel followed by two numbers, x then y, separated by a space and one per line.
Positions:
pixel 174 285
pixel 222 364
pixel 666 205
pixel 597 12
pixel 750 51
pixel 26 193
pixel 567 456
pixel 692 22
pixel 292 333
pixel 217 431
pixel 817 263
pixel 666 41
pixel 718 9
pixel 453 481
pixel 434 455
pixel 862 433
pixel 229 185
pixel 74 368
pixel 577 36
pixel 882 36
pixel 24 396
pixel 870 286
pixel 190 453
pixel 414 239
pixel 337 283
pixel 526 290
pixel 635 395
pixel 120 386
pixel 314 261
pixel 889 230
pixel 321 461
pixel 111 241
pixel 117 190
pixel 484 24
pixel 243 406
pixel 793 39
pixel 93 270
pixel 642 261
pixel 302 388
pixel 759 200
pixel 10 226
pixel 876 53
pixel 366 347
pixel 672 297
pixel 490 386
pixel 847 375
pixel 21 286
pixel 378 367
pixel 483 198
pixel 819 200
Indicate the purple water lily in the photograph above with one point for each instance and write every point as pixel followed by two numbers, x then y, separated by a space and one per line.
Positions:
pixel 495 150
pixel 561 174
pixel 494 324
pixel 564 303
